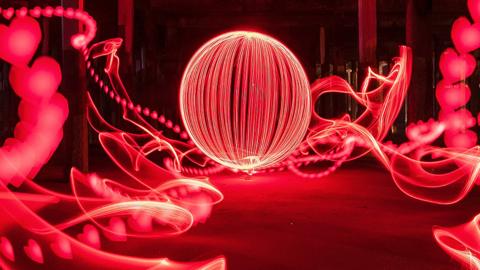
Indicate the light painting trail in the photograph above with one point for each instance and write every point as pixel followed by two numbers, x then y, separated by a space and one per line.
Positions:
pixel 106 209
pixel 245 100
pixel 247 106
pixel 461 242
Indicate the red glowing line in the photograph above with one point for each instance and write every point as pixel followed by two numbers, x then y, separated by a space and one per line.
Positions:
pixel 114 88
pixel 461 242
pixel 246 102
pixel 345 139
pixel 365 133
pixel 151 208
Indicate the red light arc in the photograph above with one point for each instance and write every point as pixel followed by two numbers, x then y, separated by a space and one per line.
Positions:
pixel 247 105
pixel 107 210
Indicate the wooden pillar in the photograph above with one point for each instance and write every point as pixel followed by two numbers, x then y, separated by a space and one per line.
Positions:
pixel 125 16
pixel 322 45
pixel 126 11
pixel 420 97
pixel 367 33
pixel 74 88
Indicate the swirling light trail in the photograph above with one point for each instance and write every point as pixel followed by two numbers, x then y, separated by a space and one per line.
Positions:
pixel 150 205
pixel 461 242
pixel 338 140
pixel 142 209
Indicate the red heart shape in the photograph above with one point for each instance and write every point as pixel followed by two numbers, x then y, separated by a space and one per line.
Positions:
pixel 457 120
pixel 474 8
pixel 465 36
pixel 62 248
pixel 455 67
pixel 451 97
pixel 116 230
pixel 19 40
pixel 90 236
pixel 37 82
pixel 48 12
pixel 36 12
pixel 34 251
pixel 8 13
pixel 464 139
pixel 141 222
pixel 7 249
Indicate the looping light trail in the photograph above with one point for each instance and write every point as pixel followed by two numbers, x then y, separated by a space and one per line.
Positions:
pixel 155 204
pixel 339 140
pixel 461 242
pixel 247 105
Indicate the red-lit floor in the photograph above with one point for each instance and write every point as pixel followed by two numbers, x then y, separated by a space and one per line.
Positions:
pixel 353 219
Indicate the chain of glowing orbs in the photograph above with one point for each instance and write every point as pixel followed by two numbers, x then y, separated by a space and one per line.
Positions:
pixel 292 164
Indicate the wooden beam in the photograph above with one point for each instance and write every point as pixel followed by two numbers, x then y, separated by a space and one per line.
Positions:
pixel 74 89
pixel 419 37
pixel 126 22
pixel 322 45
pixel 367 32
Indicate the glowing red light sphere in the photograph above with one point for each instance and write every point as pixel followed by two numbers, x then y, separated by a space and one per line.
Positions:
pixel 245 100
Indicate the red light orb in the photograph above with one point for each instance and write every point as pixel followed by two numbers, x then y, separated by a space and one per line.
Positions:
pixel 245 100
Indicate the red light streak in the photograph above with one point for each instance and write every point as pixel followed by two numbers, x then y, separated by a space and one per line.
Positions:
pixel 461 242
pixel 149 209
pixel 270 102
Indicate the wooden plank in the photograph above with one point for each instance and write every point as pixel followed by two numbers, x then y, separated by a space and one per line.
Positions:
pixel 367 32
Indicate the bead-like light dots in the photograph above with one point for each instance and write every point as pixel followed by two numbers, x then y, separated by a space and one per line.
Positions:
pixel 245 100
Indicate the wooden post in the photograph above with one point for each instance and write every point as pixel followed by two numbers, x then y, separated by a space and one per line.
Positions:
pixel 419 38
pixel 322 45
pixel 125 23
pixel 367 32
pixel 74 89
